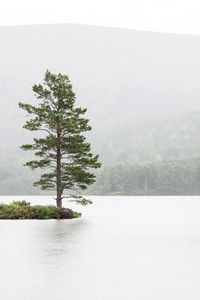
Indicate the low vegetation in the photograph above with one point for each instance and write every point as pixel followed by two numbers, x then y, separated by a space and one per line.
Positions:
pixel 23 210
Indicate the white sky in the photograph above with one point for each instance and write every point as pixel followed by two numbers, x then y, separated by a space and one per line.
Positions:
pixel 182 16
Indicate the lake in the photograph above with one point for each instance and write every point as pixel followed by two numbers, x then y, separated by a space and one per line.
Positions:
pixel 122 248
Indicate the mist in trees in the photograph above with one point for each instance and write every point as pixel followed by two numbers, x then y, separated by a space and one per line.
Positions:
pixel 177 177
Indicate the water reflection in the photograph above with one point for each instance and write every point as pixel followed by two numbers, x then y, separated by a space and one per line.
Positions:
pixel 36 252
pixel 60 237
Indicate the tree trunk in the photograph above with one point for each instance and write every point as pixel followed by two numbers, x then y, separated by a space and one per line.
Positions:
pixel 58 181
pixel 59 188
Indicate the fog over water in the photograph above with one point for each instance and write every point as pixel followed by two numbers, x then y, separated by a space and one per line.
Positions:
pixel 122 248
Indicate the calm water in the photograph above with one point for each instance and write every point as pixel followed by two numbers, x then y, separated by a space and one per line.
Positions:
pixel 137 248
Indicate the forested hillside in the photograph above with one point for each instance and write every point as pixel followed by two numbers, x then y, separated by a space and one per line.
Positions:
pixel 174 177
pixel 170 137
pixel 142 91
pixel 178 177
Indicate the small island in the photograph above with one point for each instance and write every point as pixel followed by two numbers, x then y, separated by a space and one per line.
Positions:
pixel 23 210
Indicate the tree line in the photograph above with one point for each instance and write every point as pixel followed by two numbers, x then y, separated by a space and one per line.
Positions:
pixel 175 177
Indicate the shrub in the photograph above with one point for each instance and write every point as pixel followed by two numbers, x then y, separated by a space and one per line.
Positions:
pixel 23 210
pixel 21 203
pixel 45 212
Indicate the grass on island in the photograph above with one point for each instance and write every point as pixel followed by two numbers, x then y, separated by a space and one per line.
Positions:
pixel 23 210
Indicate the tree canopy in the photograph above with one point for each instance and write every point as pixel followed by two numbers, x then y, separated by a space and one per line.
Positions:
pixel 63 150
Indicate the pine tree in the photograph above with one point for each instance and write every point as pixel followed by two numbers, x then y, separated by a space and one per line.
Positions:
pixel 63 150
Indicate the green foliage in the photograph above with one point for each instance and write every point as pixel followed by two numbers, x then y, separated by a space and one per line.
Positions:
pixel 23 210
pixel 176 177
pixel 45 212
pixel 80 200
pixel 21 203
pixel 63 151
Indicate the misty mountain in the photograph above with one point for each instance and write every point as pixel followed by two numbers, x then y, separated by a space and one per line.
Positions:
pixel 128 80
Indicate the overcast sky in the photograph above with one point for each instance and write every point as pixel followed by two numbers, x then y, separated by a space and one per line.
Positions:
pixel 182 16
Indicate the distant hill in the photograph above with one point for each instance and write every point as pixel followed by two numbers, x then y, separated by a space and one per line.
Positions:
pixel 122 76
pixel 142 89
